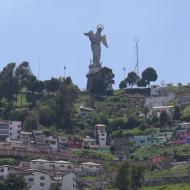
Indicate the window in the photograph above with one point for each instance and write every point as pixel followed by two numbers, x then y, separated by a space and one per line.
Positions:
pixel 10 134
pixel 10 128
pixel 2 170
pixel 30 179
pixel 42 178
pixel 42 184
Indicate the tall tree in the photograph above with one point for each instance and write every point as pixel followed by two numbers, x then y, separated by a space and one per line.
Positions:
pixel 65 105
pixel 149 75
pixel 23 75
pixel 132 79
pixel 123 84
pixel 164 117
pixel 15 182
pixel 8 83
pixel 141 83
pixel 52 85
pixel 123 179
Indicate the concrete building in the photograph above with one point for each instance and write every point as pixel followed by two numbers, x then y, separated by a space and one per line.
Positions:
pixel 69 182
pixel 89 143
pixel 26 138
pixel 90 168
pixel 51 165
pixel 100 134
pixel 156 111
pixel 52 142
pixel 5 170
pixel 37 179
pixel 10 129
pixel 85 112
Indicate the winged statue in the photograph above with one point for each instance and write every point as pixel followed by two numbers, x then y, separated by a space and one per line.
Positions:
pixel 96 39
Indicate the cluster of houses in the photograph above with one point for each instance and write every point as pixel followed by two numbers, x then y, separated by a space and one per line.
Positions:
pixel 41 174
pixel 11 132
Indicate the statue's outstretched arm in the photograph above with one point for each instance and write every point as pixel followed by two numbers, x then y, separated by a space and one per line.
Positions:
pixel 89 34
pixel 104 41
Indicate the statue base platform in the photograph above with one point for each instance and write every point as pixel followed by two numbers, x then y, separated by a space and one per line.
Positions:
pixel 93 70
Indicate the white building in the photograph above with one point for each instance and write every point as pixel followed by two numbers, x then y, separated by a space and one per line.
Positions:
pixel 156 111
pixel 85 112
pixel 5 170
pixel 14 130
pixel 10 129
pixel 100 134
pixel 52 142
pixel 69 182
pixel 37 180
pixel 60 165
pixel 90 167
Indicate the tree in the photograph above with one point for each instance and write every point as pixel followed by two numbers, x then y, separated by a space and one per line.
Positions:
pixel 177 113
pixel 102 82
pixel 46 115
pixel 15 182
pixel 149 75
pixel 8 83
pixel 129 177
pixel 123 84
pixel 186 114
pixel 52 85
pixel 132 79
pixel 141 83
pixel 123 179
pixel 23 75
pixel 164 118
pixel 64 107
pixel 31 122
pixel 54 186
pixel 137 176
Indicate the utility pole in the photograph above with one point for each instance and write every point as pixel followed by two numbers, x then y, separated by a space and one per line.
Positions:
pixel 124 69
pixel 64 72
pixel 39 68
pixel 137 56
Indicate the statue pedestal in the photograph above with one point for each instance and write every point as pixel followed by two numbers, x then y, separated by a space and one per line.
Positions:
pixel 93 69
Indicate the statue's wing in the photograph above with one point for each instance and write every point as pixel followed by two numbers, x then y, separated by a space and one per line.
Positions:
pixel 104 41
pixel 89 34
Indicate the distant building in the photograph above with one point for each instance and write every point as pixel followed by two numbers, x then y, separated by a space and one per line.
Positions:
pixel 51 165
pixel 10 129
pixel 156 111
pixel 89 143
pixel 37 179
pixel 90 168
pixel 85 112
pixel 75 142
pixel 52 142
pixel 69 182
pixel 26 138
pixel 100 134
pixel 5 170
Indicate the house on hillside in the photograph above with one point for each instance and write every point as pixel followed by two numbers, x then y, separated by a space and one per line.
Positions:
pixel 90 168
pixel 156 111
pixel 5 170
pixel 100 134
pixel 10 129
pixel 85 112
pixel 89 143
pixel 38 179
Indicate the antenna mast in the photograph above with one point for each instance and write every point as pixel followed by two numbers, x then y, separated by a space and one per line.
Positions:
pixel 39 68
pixel 137 54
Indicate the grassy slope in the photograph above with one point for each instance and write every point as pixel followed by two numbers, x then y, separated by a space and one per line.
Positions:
pixel 168 187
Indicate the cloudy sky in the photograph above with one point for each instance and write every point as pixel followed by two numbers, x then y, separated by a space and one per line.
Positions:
pixel 51 32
